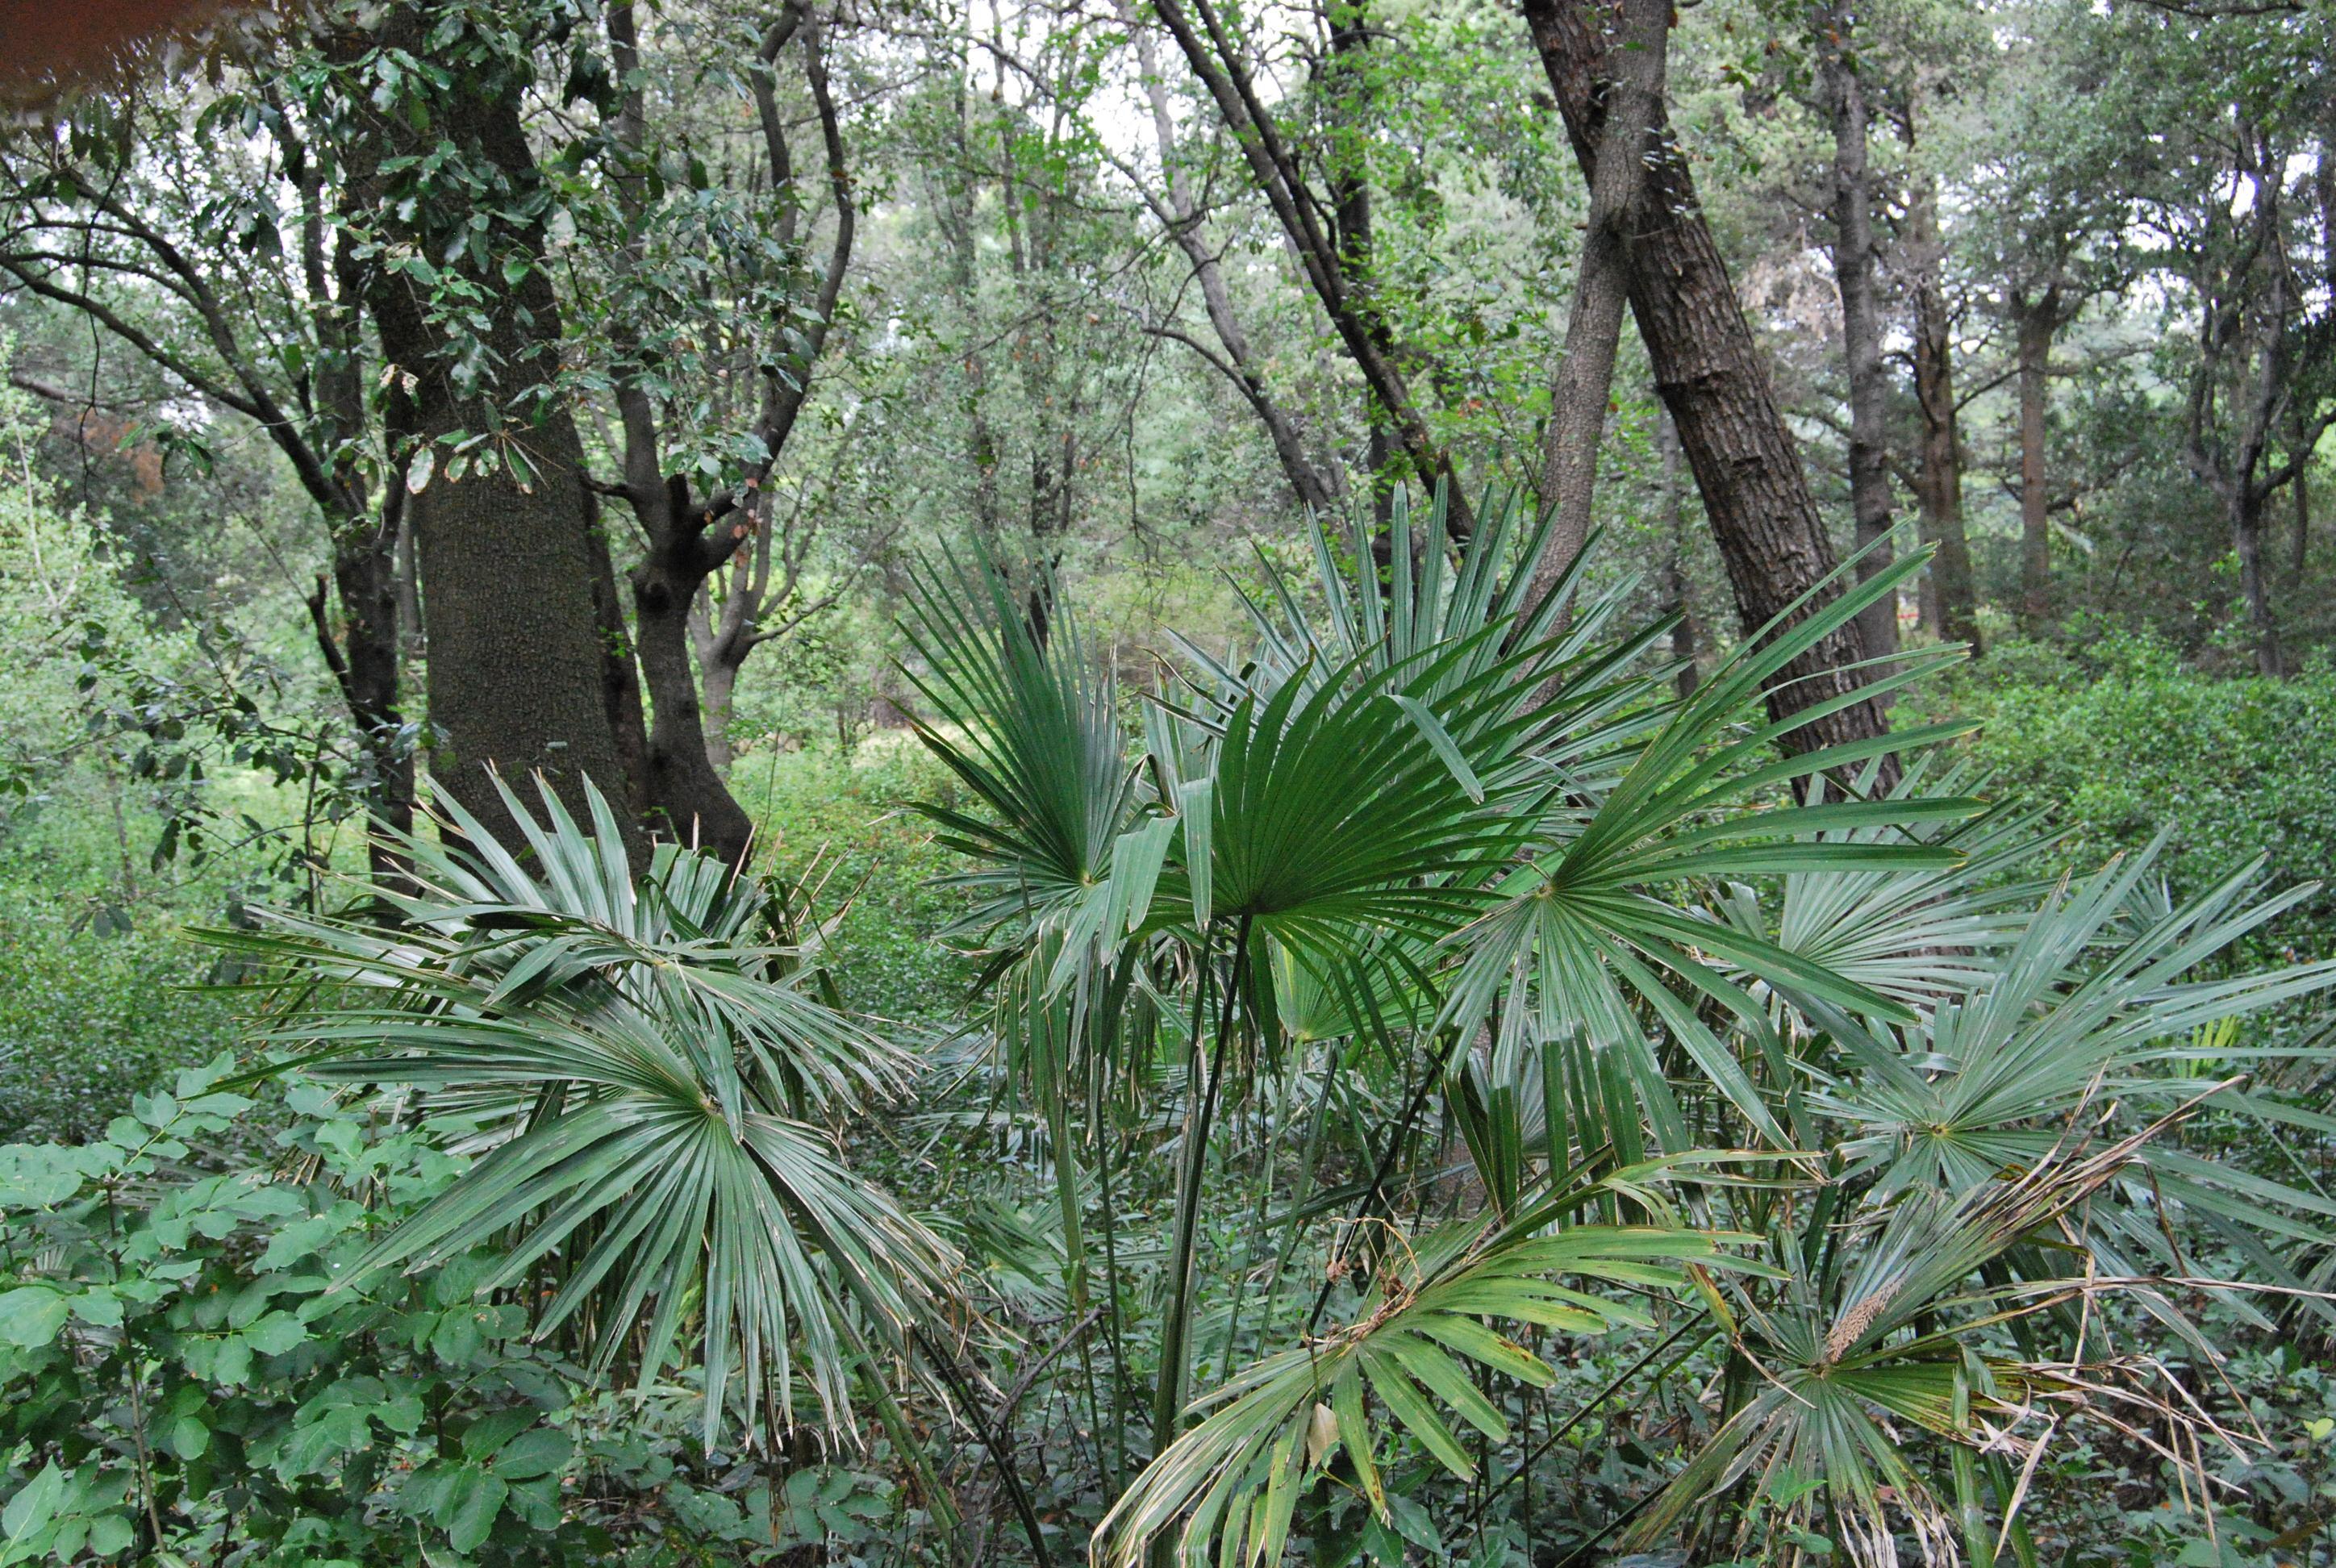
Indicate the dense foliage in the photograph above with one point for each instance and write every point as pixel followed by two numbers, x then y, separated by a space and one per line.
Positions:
pixel 1342 1082
pixel 1381 782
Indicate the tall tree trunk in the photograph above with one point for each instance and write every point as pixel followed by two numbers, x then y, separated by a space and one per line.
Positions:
pixel 506 552
pixel 1860 325
pixel 1631 104
pixel 1671 517
pixel 1939 492
pixel 2035 322
pixel 2248 503
pixel 1708 370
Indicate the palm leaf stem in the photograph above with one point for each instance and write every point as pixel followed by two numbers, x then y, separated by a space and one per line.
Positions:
pixel 1175 1329
pixel 1001 1457
pixel 1398 1133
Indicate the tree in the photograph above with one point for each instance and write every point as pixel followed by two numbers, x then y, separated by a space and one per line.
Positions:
pixel 1315 484
pixel 111 215
pixel 1709 374
pixel 1328 230
pixel 447 209
pixel 1855 249
pixel 658 227
pixel 1938 471
pixel 1633 103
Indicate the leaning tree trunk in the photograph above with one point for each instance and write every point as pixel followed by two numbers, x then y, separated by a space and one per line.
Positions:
pixel 1633 104
pixel 506 552
pixel 1709 371
pixel 1861 330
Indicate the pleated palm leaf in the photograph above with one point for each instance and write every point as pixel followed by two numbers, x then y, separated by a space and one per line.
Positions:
pixel 1032 729
pixel 1887 1322
pixel 2091 1003
pixel 640 1061
pixel 1591 934
pixel 1913 934
pixel 1227 1490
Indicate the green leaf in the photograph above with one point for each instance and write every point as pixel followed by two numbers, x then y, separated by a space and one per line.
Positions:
pixel 467 1507
pixel 32 1316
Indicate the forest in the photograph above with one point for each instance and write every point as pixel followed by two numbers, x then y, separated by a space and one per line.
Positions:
pixel 1538 784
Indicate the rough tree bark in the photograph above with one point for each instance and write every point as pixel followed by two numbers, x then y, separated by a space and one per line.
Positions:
pixel 1861 319
pixel 1939 478
pixel 1672 518
pixel 506 553
pixel 2037 318
pixel 1709 371
pixel 1631 105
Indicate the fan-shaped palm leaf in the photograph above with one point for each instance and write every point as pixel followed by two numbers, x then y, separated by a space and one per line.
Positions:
pixel 1229 1487
pixel 640 1081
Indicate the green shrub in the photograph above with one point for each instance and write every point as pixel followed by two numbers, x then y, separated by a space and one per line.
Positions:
pixel 843 816
pixel 89 1019
pixel 182 1380
pixel 2122 741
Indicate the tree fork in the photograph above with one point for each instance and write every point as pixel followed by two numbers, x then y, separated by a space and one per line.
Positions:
pixel 1709 372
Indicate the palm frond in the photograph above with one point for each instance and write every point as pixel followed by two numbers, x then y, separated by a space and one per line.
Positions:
pixel 1229 1487
pixel 636 1081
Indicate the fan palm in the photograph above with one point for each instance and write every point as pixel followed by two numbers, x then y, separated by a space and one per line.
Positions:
pixel 642 1059
pixel 1229 1487
pixel 1881 1319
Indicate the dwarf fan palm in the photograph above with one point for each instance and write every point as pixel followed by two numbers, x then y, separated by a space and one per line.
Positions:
pixel 641 1056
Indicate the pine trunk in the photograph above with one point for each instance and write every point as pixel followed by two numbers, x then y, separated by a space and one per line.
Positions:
pixel 1710 375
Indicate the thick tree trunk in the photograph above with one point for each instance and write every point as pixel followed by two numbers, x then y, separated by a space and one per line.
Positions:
pixel 2035 323
pixel 690 799
pixel 506 553
pixel 1861 324
pixel 1672 519
pixel 1709 371
pixel 1939 491
pixel 1631 104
